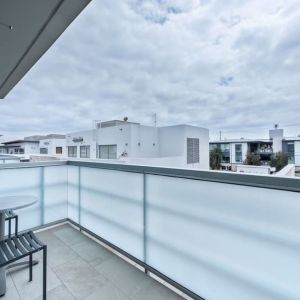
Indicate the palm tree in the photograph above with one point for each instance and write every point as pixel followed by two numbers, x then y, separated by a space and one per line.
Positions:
pixel 215 159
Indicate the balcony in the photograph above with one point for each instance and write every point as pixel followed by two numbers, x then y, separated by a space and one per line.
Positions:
pixel 80 268
pixel 210 235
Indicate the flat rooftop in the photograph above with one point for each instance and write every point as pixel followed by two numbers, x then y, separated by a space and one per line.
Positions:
pixel 81 268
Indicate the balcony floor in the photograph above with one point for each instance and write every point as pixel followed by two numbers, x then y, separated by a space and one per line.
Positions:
pixel 80 268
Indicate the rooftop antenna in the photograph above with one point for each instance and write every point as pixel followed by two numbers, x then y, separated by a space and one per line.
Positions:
pixel 96 124
pixel 155 119
pixel 220 135
pixel 6 25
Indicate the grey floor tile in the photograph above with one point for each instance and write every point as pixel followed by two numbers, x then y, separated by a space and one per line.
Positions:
pixel 125 276
pixel 58 252
pixel 155 291
pixel 70 236
pixel 11 291
pixel 81 269
pixel 80 278
pixel 59 293
pixel 91 251
pixel 108 292
pixel 31 290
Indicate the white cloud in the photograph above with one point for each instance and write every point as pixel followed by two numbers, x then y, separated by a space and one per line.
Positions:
pixel 231 65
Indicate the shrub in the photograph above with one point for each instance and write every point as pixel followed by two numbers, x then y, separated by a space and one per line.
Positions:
pixel 279 160
pixel 252 159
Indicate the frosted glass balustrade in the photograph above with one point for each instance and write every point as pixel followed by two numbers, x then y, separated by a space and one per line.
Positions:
pixel 55 193
pixel 24 181
pixel 221 241
pixel 73 193
pixel 224 241
pixel 112 207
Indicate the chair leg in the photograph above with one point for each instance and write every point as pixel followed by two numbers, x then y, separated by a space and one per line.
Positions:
pixel 30 267
pixel 16 225
pixel 9 228
pixel 45 273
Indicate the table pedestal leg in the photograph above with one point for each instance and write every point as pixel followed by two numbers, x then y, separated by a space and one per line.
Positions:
pixel 2 270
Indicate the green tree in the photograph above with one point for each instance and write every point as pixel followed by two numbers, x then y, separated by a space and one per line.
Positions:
pixel 252 159
pixel 215 159
pixel 279 160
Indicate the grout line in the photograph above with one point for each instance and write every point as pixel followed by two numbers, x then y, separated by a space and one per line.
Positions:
pixel 136 265
pixel 15 286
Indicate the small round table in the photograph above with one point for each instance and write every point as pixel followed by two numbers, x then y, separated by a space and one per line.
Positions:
pixel 14 203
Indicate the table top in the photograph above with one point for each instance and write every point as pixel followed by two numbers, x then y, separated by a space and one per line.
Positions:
pixel 16 202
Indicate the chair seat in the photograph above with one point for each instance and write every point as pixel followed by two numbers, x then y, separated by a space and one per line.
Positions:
pixel 9 214
pixel 17 247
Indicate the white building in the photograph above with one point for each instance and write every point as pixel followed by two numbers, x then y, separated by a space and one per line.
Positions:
pixel 180 145
pixel 53 145
pixel 25 146
pixel 234 151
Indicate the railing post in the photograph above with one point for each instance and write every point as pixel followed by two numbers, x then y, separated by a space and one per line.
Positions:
pixel 79 196
pixel 145 221
pixel 42 194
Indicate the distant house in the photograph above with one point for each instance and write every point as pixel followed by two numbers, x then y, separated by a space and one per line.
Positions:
pixel 51 144
pixel 234 151
pixel 128 142
pixel 25 146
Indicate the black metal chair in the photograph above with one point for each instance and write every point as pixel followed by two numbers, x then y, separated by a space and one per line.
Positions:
pixel 9 216
pixel 20 246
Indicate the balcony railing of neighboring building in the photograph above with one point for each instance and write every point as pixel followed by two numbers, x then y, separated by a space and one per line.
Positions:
pixel 211 234
pixel 264 151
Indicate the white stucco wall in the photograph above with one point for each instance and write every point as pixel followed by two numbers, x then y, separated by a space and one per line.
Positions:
pixel 173 142
pixel 143 141
pixel 89 139
pixel 51 145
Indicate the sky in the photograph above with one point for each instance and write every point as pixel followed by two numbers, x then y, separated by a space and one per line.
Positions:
pixel 229 65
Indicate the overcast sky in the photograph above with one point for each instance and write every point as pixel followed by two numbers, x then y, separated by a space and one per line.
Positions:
pixel 229 65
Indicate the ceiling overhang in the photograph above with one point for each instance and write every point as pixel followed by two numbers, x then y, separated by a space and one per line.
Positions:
pixel 27 30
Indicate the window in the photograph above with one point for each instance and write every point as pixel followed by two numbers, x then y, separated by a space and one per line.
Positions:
pixel 192 150
pixel 291 152
pixel 108 151
pixel 72 151
pixel 58 150
pixel 238 153
pixel 85 151
pixel 43 150
pixel 18 151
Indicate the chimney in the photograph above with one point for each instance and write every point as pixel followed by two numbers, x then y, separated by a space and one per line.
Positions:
pixel 276 135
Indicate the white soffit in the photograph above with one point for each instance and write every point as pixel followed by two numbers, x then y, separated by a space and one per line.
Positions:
pixel 36 24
